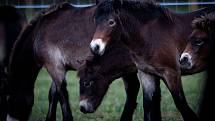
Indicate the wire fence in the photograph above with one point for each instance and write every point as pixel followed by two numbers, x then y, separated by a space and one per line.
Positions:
pixel 18 2
pixel 90 4
pixel 32 6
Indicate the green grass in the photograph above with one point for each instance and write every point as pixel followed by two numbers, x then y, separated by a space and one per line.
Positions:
pixel 112 105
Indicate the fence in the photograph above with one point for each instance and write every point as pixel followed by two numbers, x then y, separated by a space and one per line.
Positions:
pixel 32 6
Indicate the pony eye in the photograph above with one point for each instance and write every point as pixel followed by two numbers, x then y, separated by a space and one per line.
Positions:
pixel 198 42
pixel 111 22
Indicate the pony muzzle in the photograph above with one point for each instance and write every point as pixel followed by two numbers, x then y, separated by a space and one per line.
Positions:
pixel 86 106
pixel 97 47
pixel 186 61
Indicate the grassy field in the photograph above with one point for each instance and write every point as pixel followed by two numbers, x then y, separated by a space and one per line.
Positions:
pixel 113 103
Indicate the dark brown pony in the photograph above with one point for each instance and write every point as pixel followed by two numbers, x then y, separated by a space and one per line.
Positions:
pixel 199 53
pixel 58 39
pixel 12 21
pixel 99 72
pixel 156 38
pixel 196 52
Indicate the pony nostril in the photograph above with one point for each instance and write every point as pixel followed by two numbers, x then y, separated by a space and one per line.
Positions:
pixel 184 60
pixel 82 109
pixel 95 49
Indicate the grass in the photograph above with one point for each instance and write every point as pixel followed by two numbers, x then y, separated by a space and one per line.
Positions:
pixel 112 105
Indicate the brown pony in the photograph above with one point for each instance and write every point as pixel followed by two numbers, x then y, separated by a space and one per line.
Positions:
pixel 156 37
pixel 12 21
pixel 197 50
pixel 58 39
pixel 199 53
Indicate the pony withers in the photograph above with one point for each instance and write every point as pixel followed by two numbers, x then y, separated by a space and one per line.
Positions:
pixel 58 39
pixel 156 37
pixel 12 21
pixel 199 53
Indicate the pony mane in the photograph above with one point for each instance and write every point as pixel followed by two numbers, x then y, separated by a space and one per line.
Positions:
pixel 54 8
pixel 108 5
pixel 204 22
pixel 139 5
pixel 148 6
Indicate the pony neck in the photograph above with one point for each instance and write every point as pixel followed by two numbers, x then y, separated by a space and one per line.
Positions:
pixel 128 26
pixel 145 11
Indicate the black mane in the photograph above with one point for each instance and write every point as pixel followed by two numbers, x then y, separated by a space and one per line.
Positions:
pixel 140 9
pixel 205 22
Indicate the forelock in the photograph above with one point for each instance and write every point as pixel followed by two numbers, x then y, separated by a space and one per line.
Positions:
pixel 204 22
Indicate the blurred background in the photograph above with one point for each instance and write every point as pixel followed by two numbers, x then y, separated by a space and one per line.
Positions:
pixel 113 103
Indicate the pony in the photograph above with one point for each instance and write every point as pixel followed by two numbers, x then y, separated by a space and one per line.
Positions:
pixel 12 21
pixel 58 39
pixel 197 50
pixel 156 37
pixel 199 54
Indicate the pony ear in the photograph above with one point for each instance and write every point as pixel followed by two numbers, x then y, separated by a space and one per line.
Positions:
pixel 81 62
pixel 87 62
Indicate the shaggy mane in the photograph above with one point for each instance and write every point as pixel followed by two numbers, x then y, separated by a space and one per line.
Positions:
pixel 147 6
pixel 204 22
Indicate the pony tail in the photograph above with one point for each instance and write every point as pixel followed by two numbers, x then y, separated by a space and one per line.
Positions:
pixel 23 42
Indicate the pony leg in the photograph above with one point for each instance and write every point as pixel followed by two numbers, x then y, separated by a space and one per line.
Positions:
pixel 53 100
pixel 3 95
pixel 20 106
pixel 132 87
pixel 58 73
pixel 64 101
pixel 173 82
pixel 151 96
pixel 3 107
